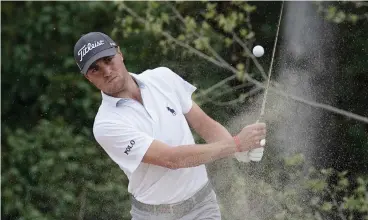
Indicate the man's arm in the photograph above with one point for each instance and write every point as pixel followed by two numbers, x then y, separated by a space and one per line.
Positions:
pixel 209 129
pixel 183 156
pixel 220 143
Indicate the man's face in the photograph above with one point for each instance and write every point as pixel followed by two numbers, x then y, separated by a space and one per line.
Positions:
pixel 108 74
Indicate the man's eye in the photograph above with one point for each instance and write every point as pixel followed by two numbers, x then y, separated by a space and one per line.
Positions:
pixel 93 69
pixel 108 59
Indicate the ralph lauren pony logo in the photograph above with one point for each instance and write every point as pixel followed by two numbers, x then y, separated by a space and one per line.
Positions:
pixel 171 110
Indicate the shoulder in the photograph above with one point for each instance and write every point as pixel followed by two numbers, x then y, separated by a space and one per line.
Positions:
pixel 159 73
pixel 108 120
pixel 161 78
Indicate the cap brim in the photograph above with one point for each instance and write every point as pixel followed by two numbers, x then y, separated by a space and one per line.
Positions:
pixel 104 53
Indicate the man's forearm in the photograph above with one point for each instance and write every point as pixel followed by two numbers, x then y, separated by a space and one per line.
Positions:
pixel 215 132
pixel 207 128
pixel 198 154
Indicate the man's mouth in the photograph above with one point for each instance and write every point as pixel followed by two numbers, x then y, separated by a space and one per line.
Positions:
pixel 111 79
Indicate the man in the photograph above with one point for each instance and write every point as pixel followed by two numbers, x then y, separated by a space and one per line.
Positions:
pixel 144 123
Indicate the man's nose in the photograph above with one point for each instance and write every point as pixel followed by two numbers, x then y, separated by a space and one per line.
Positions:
pixel 106 70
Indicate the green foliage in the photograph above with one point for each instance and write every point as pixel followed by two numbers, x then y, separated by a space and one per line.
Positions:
pixel 39 49
pixel 294 190
pixel 344 11
pixel 56 174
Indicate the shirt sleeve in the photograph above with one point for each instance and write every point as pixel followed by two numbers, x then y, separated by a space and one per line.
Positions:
pixel 184 91
pixel 125 145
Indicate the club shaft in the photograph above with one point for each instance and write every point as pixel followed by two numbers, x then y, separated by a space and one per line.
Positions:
pixel 271 65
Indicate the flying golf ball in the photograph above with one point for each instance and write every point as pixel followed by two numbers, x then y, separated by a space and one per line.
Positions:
pixel 262 142
pixel 258 51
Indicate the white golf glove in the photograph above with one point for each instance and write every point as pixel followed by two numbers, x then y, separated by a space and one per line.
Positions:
pixel 256 154
pixel 252 155
pixel 242 156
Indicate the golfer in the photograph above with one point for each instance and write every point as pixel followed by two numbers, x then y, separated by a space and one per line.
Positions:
pixel 143 124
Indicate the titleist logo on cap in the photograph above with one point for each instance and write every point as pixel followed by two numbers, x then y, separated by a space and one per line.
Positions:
pixel 88 47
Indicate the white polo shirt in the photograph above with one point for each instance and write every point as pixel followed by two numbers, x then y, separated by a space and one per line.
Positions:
pixel 125 129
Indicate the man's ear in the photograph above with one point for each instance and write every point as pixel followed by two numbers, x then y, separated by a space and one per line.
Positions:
pixel 119 52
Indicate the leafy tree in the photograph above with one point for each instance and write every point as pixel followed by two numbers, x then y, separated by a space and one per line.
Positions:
pixel 56 174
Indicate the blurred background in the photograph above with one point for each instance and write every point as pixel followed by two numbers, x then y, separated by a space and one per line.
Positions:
pixel 316 161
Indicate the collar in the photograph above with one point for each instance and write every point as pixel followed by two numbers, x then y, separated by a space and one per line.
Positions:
pixel 114 101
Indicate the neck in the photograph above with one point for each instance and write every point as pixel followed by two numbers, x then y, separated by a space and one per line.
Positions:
pixel 131 90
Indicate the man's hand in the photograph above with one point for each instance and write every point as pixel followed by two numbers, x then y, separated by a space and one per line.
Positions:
pixel 251 136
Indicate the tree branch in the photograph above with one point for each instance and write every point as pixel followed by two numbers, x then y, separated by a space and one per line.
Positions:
pixel 231 89
pixel 215 86
pixel 210 48
pixel 320 105
pixel 224 93
pixel 235 101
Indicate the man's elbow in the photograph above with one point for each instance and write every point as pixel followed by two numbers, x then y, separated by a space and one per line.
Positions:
pixel 170 164
pixel 162 155
pixel 173 162
pixel 177 162
pixel 173 165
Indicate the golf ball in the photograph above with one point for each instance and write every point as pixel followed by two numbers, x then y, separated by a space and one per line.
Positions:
pixel 262 142
pixel 258 51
